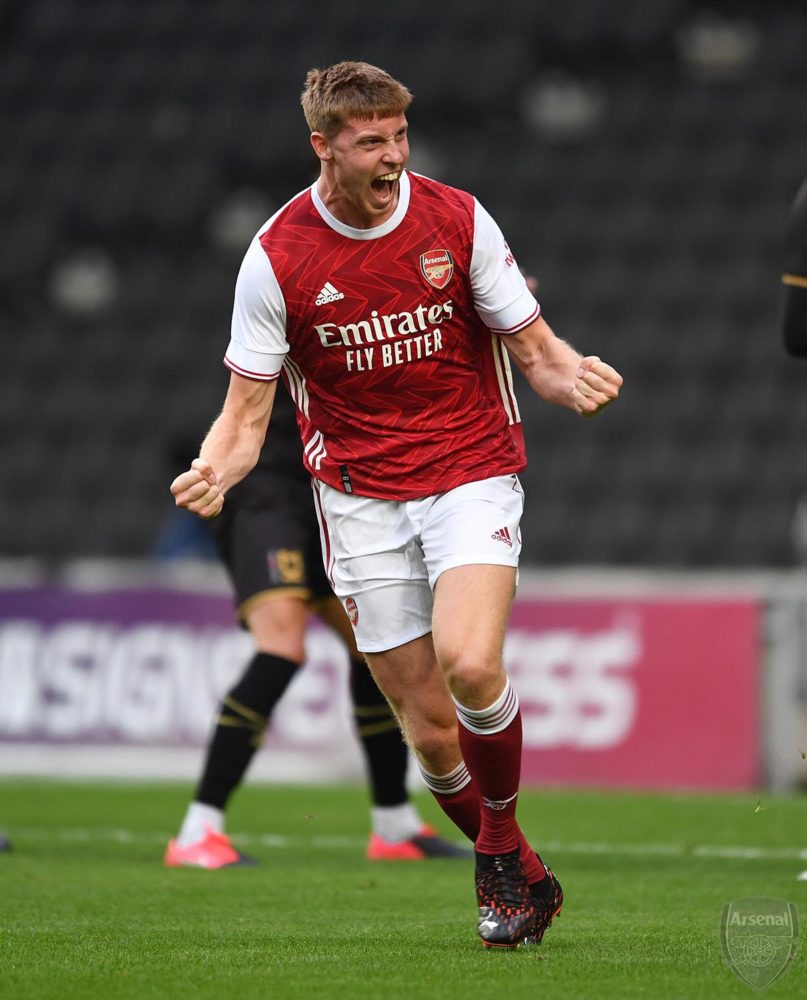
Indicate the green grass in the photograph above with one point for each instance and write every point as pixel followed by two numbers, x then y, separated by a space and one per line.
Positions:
pixel 87 910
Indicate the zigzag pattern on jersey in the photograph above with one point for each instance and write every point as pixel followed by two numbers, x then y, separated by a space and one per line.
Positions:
pixel 403 430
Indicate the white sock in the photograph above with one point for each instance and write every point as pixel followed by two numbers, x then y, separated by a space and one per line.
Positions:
pixel 396 823
pixel 198 820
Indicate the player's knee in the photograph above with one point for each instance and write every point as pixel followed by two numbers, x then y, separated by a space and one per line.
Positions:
pixel 432 739
pixel 474 680
pixel 289 648
pixel 284 639
pixel 278 627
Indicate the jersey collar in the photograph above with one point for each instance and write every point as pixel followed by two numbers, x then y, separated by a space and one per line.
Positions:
pixel 366 234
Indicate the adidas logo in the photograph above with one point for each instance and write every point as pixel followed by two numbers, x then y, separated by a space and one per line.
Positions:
pixel 328 294
pixel 502 535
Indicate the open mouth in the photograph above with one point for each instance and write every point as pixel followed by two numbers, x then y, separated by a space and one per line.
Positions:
pixel 383 185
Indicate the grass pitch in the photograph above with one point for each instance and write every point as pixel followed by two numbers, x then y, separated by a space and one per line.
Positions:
pixel 87 909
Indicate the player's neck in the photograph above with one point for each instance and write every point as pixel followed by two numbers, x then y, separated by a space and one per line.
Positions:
pixel 348 210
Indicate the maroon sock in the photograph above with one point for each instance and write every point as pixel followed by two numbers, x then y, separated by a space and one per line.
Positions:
pixel 490 741
pixel 462 808
pixel 457 797
pixel 530 861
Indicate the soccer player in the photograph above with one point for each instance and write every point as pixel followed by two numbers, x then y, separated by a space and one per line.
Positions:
pixel 268 538
pixel 390 304
pixel 794 312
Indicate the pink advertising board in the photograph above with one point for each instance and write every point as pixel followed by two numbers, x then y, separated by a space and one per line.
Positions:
pixel 639 693
pixel 644 693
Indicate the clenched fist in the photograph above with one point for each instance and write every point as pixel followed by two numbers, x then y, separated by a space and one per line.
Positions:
pixel 596 385
pixel 197 490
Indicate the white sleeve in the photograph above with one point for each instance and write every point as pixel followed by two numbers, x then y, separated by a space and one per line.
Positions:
pixel 258 344
pixel 501 296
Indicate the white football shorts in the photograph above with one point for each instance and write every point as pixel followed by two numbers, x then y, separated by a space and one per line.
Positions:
pixel 383 557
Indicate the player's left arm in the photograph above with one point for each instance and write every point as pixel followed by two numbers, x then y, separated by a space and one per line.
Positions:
pixel 504 301
pixel 558 373
pixel 794 280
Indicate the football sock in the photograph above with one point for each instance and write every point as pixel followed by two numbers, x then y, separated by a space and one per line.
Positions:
pixel 385 753
pixel 240 727
pixel 199 819
pixel 457 796
pixel 490 740
pixel 396 823
pixel 530 860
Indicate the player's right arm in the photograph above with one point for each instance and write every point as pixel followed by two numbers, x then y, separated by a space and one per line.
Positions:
pixel 255 357
pixel 231 448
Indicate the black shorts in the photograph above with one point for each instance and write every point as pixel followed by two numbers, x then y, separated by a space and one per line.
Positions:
pixel 274 548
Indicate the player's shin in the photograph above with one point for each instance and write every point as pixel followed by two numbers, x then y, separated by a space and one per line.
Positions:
pixel 456 795
pixel 490 740
pixel 385 752
pixel 240 726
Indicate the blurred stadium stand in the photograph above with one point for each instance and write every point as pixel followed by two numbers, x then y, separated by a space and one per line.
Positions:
pixel 640 155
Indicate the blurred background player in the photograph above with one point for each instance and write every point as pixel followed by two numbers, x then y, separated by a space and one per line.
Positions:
pixel 794 313
pixel 268 538
pixel 794 320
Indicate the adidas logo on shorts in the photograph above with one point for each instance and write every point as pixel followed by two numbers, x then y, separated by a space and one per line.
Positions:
pixel 502 535
pixel 328 294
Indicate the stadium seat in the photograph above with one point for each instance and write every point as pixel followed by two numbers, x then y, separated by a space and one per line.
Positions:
pixel 657 239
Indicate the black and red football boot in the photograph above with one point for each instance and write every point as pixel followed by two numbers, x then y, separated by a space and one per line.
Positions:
pixel 506 909
pixel 547 898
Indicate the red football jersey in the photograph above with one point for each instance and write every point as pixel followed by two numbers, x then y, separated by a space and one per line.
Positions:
pixel 388 340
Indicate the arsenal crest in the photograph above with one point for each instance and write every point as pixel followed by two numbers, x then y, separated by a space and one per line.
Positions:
pixel 759 937
pixel 352 611
pixel 437 266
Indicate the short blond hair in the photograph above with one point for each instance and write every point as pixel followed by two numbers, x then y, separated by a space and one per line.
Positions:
pixel 350 90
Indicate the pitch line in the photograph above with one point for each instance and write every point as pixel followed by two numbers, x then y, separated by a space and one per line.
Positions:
pixel 725 852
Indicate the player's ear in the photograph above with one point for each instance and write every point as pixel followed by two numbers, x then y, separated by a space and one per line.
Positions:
pixel 321 146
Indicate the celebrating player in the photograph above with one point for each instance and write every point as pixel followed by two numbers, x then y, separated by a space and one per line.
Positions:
pixel 268 538
pixel 390 304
